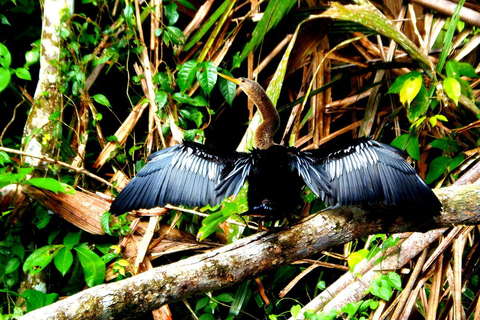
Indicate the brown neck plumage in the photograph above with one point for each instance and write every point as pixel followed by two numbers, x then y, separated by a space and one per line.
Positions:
pixel 263 138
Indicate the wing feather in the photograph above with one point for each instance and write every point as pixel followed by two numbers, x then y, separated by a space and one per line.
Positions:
pixel 368 171
pixel 187 174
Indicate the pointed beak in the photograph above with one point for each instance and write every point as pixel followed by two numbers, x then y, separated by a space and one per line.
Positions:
pixel 236 81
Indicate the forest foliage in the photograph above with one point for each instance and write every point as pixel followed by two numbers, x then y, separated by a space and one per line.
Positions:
pixel 136 77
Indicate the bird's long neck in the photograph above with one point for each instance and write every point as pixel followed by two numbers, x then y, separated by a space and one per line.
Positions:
pixel 263 138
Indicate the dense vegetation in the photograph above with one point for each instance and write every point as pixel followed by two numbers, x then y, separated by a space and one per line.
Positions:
pixel 133 78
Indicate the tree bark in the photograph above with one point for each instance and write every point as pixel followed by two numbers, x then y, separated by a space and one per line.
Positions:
pixel 249 257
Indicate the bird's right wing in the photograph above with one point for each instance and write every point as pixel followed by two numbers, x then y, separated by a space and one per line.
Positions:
pixel 187 174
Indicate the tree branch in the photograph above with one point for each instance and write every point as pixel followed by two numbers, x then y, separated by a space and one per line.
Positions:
pixel 249 257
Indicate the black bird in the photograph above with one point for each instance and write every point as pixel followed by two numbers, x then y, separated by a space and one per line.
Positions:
pixel 192 174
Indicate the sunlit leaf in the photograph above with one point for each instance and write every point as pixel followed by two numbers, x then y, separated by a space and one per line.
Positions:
pixel 175 35
pixel 467 70
pixel 4 78
pixel 419 105
pixel 40 258
pixel 355 257
pixel 171 12
pixel 410 89
pixel 23 73
pixel 100 98
pixel 50 184
pixel 452 89
pixel 5 56
pixel 161 98
pixel 72 239
pixel 437 168
pixel 397 85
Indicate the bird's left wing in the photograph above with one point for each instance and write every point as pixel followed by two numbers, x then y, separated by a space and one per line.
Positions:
pixel 186 174
pixel 368 171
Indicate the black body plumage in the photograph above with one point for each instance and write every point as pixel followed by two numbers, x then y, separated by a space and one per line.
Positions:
pixel 192 174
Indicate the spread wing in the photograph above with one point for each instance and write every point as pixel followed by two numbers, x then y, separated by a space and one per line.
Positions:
pixel 187 174
pixel 368 171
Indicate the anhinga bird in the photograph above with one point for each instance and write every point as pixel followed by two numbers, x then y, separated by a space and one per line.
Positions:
pixel 192 174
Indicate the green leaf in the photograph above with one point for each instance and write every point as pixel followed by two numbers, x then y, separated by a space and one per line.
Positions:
pixel 161 98
pixel 105 222
pixel 202 303
pixel 186 74
pixel 100 98
pixel 395 280
pixel 410 89
pixel 207 76
pixel 23 73
pixel 50 184
pixel 72 239
pixel 4 158
pixel 452 89
pixel 4 78
pixel 187 4
pixel 36 299
pixel 467 70
pixel 206 316
pixel 4 20
pixel 397 85
pixel 40 258
pixel 193 115
pixel 93 266
pixel 446 144
pixel 419 105
pixel 453 69
pixel 355 257
pixel 5 56
pixel 162 79
pixel 227 88
pixel 12 265
pixel 210 224
pixel 408 142
pixel 225 297
pixel 171 12
pixel 295 310
pixel 63 260
pixel 437 168
pixel 185 98
pixel 175 35
pixel 456 161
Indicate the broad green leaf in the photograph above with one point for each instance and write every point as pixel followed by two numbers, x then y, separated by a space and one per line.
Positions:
pixel 63 260
pixel 93 266
pixel 12 265
pixel 295 310
pixel 410 89
pixel 275 11
pixel 23 73
pixel 207 76
pixel 456 161
pixel 452 69
pixel 161 98
pixel 419 105
pixel 186 74
pixel 355 257
pixel 395 280
pixel 467 70
pixel 446 144
pixel 202 303
pixel 36 299
pixel 5 56
pixel 210 224
pixel 185 98
pixel 171 12
pixel 162 79
pixel 72 239
pixel 187 4
pixel 227 88
pixel 409 143
pixel 437 168
pixel 4 158
pixel 452 89
pixel 4 78
pixel 100 98
pixel 225 297
pixel 175 35
pixel 40 258
pixel 50 184
pixel 193 115
pixel 206 316
pixel 397 85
